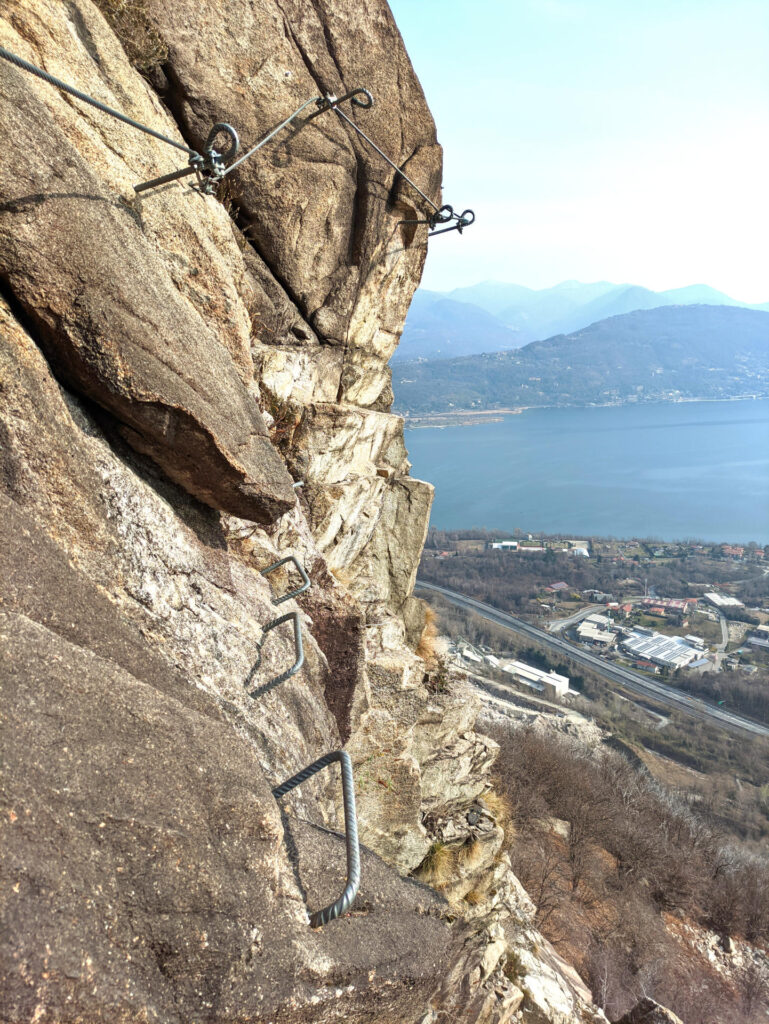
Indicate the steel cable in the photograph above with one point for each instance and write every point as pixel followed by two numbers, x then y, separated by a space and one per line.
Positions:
pixel 344 902
pixel 441 214
pixel 211 167
pixel 52 80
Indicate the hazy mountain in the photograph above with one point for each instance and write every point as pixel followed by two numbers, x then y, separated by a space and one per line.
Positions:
pixel 439 328
pixel 493 296
pixel 660 354
pixel 532 314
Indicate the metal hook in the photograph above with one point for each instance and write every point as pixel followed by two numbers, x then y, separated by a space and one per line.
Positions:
pixel 441 216
pixel 463 220
pixel 209 167
pixel 222 128
pixel 329 102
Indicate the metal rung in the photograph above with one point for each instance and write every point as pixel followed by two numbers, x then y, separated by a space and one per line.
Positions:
pixel 343 904
pixel 261 690
pixel 299 568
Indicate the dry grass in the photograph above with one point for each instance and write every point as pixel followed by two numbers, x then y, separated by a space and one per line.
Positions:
pixel 471 854
pixel 426 646
pixel 438 867
pixel 286 417
pixel 499 807
pixel 130 22
pixel 474 897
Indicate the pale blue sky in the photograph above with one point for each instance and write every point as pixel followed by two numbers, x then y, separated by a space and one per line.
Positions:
pixel 620 140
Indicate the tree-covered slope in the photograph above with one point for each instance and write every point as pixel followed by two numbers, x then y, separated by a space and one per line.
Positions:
pixel 648 355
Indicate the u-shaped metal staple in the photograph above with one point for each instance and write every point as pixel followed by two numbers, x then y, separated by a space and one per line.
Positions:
pixel 259 691
pixel 343 904
pixel 299 568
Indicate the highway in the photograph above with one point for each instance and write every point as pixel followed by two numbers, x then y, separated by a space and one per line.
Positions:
pixel 630 680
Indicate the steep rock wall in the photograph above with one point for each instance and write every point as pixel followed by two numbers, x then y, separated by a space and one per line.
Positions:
pixel 170 366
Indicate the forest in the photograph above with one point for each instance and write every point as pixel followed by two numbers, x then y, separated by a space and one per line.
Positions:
pixel 617 864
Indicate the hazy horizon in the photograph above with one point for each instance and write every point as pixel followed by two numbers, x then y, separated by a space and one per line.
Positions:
pixel 599 141
pixel 575 280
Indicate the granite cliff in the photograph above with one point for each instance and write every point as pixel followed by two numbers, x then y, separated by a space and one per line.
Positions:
pixel 191 388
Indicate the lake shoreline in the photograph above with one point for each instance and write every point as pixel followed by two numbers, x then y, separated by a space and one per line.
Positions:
pixel 475 417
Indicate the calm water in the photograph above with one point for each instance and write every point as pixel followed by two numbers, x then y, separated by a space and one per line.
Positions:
pixel 697 469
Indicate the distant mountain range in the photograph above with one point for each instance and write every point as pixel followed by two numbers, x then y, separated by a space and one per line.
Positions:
pixel 494 317
pixel 662 354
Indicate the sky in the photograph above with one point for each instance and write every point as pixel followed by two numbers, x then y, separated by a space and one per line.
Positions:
pixel 616 140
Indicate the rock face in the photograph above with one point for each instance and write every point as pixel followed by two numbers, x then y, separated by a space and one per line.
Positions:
pixel 171 365
pixel 649 1012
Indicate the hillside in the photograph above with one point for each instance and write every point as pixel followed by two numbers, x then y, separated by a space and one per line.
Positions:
pixel 439 328
pixel 519 315
pixel 660 354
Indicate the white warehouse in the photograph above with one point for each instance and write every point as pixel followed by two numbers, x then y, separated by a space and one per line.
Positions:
pixel 549 683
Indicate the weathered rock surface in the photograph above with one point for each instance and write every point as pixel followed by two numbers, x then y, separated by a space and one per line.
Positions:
pixel 323 212
pixel 127 325
pixel 649 1012
pixel 166 375
pixel 148 869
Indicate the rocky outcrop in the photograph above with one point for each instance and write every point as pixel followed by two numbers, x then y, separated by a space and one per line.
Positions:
pixel 190 388
pixel 153 882
pixel 649 1012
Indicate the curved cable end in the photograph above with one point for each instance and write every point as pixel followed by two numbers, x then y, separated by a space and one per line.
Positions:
pixel 465 219
pixel 366 102
pixel 330 102
pixel 442 216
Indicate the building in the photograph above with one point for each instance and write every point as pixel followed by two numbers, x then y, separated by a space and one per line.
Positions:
pixel 504 545
pixel 733 551
pixel 549 683
pixel 666 651
pixel 590 633
pixel 723 601
pixel 601 621
pixel 557 587
pixel 470 545
pixel 701 664
pixel 695 641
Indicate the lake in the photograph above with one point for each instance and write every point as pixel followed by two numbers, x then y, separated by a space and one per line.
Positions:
pixel 675 471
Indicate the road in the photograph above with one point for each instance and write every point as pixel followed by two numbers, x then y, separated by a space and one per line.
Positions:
pixel 559 625
pixel 630 680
